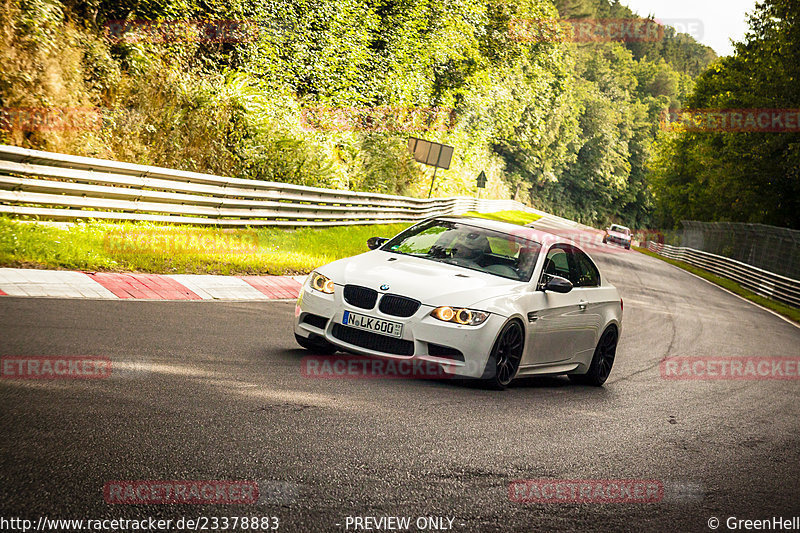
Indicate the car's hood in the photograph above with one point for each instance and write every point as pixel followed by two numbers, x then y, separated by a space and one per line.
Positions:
pixel 428 281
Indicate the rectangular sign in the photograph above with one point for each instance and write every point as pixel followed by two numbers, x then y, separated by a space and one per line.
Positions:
pixel 431 153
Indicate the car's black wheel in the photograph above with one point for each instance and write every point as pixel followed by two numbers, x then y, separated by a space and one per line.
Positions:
pixel 604 241
pixel 603 360
pixel 505 357
pixel 627 246
pixel 317 344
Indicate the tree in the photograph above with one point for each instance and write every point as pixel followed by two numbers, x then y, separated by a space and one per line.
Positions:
pixel 741 176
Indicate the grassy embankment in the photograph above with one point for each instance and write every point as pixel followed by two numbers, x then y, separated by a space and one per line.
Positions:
pixel 785 310
pixel 165 249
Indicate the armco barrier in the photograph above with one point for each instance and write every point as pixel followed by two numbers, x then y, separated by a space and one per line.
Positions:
pixel 767 284
pixel 56 186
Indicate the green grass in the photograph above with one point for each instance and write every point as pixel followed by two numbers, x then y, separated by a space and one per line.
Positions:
pixel 514 217
pixel 785 310
pixel 167 249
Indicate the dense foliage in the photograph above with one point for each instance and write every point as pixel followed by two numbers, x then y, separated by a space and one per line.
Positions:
pixel 565 126
pixel 740 176
pixel 619 92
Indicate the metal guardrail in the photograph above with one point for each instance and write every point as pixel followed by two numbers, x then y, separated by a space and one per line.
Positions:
pixel 762 282
pixel 768 247
pixel 54 186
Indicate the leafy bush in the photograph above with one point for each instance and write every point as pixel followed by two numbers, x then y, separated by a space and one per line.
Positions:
pixel 566 127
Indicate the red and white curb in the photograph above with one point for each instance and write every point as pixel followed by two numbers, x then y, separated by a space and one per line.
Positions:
pixel 114 286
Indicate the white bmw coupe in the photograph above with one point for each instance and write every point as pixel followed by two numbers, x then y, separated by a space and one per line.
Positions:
pixel 483 299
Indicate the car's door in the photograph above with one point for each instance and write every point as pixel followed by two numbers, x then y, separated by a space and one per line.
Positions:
pixel 553 318
pixel 585 278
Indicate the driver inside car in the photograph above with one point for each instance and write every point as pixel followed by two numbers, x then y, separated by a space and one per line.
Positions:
pixel 471 247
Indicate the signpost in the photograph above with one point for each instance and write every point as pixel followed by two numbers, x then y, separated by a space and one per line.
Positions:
pixel 430 153
pixel 481 182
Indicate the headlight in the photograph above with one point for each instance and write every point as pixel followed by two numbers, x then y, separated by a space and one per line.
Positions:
pixel 465 317
pixel 321 283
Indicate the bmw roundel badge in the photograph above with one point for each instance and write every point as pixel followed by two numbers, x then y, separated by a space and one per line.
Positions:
pixel 384 287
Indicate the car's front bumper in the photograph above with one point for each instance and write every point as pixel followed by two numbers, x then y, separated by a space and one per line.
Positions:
pixel 618 240
pixel 420 331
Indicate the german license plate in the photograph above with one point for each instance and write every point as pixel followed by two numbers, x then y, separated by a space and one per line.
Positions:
pixel 375 325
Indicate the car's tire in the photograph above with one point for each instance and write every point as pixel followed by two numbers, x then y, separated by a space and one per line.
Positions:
pixel 604 241
pixel 627 246
pixel 505 357
pixel 316 345
pixel 602 362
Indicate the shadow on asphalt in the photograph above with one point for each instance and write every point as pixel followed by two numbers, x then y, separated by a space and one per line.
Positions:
pixel 537 382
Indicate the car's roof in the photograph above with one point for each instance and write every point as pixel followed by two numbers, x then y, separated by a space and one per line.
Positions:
pixel 620 226
pixel 506 227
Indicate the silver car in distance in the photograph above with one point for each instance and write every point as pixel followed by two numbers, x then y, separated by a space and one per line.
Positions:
pixel 480 298
pixel 618 234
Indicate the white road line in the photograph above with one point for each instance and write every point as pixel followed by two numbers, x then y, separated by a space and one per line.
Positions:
pixel 751 302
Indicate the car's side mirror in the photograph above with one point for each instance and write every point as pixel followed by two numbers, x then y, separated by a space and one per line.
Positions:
pixel 376 242
pixel 558 284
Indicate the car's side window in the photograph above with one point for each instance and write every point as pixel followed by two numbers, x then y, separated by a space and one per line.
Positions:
pixel 585 272
pixel 571 263
pixel 556 263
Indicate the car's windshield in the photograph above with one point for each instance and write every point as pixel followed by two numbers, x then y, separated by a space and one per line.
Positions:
pixel 620 229
pixel 455 243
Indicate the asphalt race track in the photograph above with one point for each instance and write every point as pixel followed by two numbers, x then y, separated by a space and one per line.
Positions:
pixel 213 391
